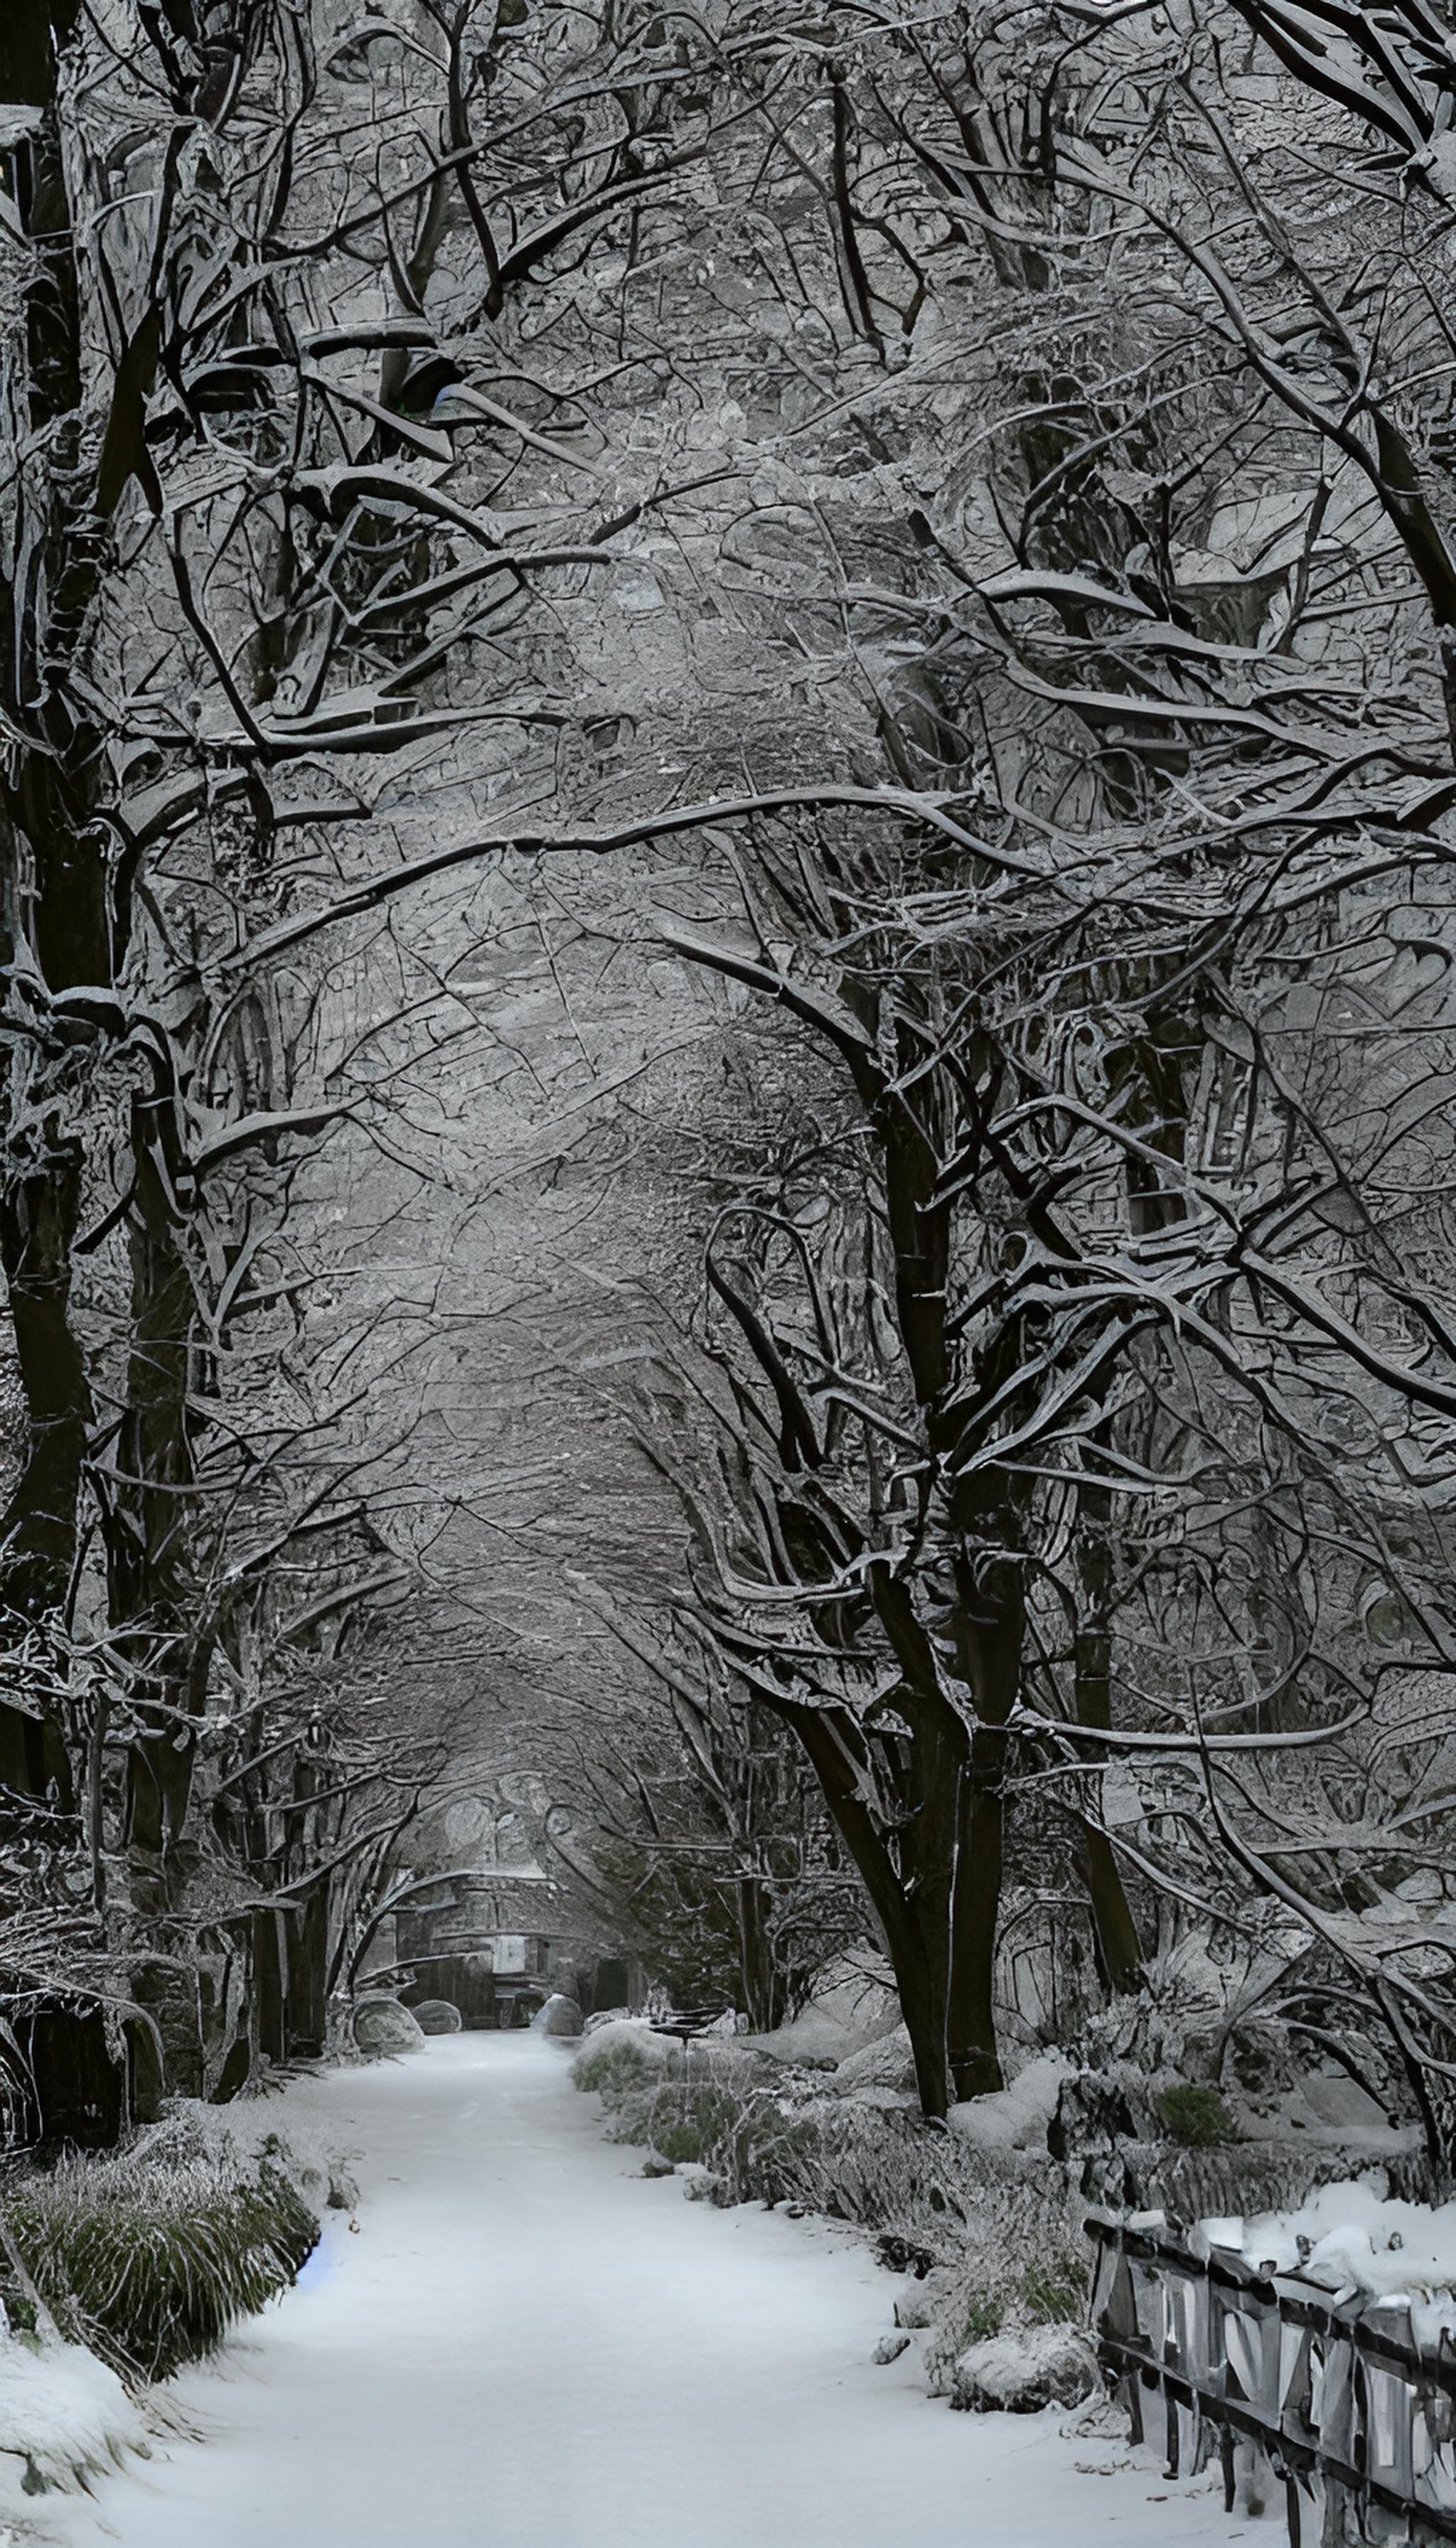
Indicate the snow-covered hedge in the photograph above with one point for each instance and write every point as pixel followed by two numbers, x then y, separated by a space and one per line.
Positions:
pixel 622 2054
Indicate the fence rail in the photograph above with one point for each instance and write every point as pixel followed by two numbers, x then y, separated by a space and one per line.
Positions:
pixel 1337 2406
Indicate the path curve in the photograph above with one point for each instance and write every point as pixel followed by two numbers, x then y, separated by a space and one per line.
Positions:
pixel 528 2345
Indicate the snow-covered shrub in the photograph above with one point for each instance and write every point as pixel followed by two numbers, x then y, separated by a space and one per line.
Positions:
pixel 688 2119
pixel 246 2133
pixel 604 2017
pixel 955 2314
pixel 149 2256
pixel 385 2028
pixel 1054 2287
pixel 1019 2375
pixel 996 2290
pixel 623 2055
pixel 1015 2116
pixel 436 2016
pixel 751 2142
pixel 558 2015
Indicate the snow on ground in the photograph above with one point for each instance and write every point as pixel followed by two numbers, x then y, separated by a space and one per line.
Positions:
pixel 528 2345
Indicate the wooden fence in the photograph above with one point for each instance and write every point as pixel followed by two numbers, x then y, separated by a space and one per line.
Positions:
pixel 1338 2409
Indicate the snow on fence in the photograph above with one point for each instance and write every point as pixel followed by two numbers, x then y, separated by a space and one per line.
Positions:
pixel 1336 2405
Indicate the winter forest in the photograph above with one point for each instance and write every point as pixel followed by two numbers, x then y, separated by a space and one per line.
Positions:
pixel 728 1210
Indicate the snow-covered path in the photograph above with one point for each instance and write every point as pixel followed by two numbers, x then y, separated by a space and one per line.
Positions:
pixel 529 2346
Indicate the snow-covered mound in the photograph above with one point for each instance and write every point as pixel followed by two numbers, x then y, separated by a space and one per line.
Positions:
pixel 557 2014
pixel 1351 2241
pixel 603 2016
pixel 852 2003
pixel 888 2063
pixel 1019 2375
pixel 624 2046
pixel 1017 2117
pixel 385 2028
pixel 248 2130
pixel 63 2416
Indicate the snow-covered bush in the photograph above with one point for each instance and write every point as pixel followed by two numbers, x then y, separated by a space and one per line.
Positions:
pixel 385 2028
pixel 1052 2366
pixel 622 2055
pixel 436 2017
pixel 149 2256
pixel 999 2230
pixel 752 2141
pixel 558 2016
pixel 603 2016
pixel 1017 2117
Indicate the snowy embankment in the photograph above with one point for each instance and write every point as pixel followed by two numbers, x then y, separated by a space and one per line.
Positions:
pixel 529 2342
pixel 117 2268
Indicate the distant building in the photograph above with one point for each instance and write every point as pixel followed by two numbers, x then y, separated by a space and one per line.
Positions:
pixel 488 1943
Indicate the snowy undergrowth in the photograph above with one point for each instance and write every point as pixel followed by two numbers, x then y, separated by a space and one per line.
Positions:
pixel 148 2256
pixel 993 2232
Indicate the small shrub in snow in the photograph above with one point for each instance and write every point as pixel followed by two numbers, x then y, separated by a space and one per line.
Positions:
pixel 680 2140
pixel 1053 2289
pixel 621 2058
pixel 958 2313
pixel 436 2016
pixel 981 2315
pixel 1195 2116
pixel 150 2256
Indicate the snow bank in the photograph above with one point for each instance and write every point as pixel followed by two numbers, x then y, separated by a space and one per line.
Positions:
pixel 604 2017
pixel 63 2416
pixel 1014 2117
pixel 1350 2240
pixel 886 2064
pixel 852 2003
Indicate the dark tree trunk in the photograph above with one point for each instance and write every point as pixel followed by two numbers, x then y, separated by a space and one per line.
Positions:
pixel 269 1968
pixel 79 2088
pixel 306 2001
pixel 1114 1931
